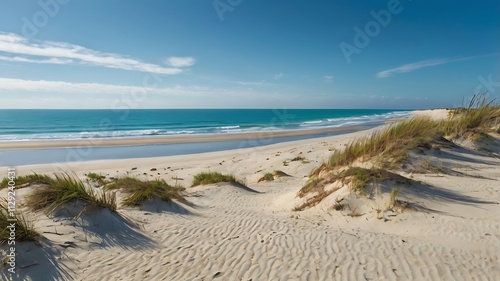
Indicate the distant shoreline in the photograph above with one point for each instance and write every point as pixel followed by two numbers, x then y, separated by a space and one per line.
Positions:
pixel 159 140
pixel 172 126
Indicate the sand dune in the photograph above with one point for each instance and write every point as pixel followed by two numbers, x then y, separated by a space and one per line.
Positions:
pixel 226 232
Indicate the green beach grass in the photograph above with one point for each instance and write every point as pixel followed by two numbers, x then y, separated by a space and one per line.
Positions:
pixel 24 230
pixel 267 177
pixel 139 191
pixel 27 180
pixel 65 188
pixel 205 178
pixel 97 178
pixel 388 149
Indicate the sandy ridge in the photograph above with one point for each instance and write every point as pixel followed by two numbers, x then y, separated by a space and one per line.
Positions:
pixel 228 233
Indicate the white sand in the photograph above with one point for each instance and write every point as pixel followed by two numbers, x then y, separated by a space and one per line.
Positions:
pixel 229 233
pixel 434 114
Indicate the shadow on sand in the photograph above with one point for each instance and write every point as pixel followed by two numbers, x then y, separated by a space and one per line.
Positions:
pixel 111 229
pixel 37 261
pixel 242 186
pixel 178 207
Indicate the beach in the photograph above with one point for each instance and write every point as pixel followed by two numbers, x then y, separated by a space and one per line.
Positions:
pixel 234 140
pixel 250 231
pixel 167 139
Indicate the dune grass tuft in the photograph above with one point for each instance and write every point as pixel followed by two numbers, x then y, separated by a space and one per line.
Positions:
pixel 479 113
pixel 356 177
pixel 24 228
pixel 139 191
pixel 97 178
pixel 389 148
pixel 65 188
pixel 212 177
pixel 27 180
pixel 393 196
pixel 267 177
pixel 298 158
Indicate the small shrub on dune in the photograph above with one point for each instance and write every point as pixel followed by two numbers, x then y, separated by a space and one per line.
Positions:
pixel 24 229
pixel 65 188
pixel 274 175
pixel 139 191
pixel 298 158
pixel 97 178
pixel 267 177
pixel 212 177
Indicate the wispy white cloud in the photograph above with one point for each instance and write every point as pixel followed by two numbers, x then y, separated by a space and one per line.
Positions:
pixel 412 67
pixel 39 86
pixel 425 63
pixel 49 61
pixel 20 93
pixel 279 76
pixel 181 61
pixel 328 77
pixel 15 48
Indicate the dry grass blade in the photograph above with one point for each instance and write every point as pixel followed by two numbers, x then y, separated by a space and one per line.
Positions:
pixel 24 228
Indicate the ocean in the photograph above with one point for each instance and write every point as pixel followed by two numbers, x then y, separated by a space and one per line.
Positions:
pixel 26 125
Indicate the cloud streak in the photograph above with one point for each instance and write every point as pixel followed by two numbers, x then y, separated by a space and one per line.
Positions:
pixel 423 64
pixel 181 61
pixel 15 48
pixel 45 86
pixel 20 93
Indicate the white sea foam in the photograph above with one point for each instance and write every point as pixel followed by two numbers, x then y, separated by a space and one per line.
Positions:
pixel 350 121
pixel 311 124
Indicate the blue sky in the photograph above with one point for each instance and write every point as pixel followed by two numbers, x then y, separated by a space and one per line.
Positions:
pixel 247 53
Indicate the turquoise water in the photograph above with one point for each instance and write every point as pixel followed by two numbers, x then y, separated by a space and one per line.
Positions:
pixel 96 124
